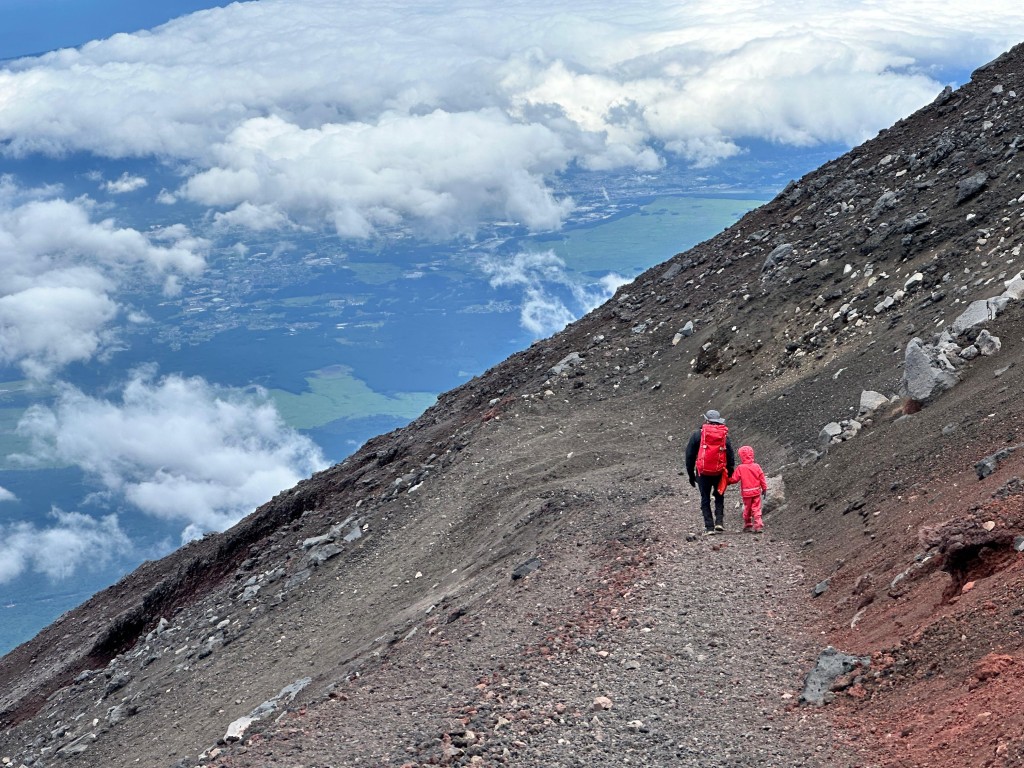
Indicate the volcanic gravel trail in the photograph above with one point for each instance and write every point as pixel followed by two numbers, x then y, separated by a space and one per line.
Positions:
pixel 675 652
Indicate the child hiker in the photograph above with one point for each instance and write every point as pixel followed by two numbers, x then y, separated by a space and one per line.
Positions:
pixel 753 486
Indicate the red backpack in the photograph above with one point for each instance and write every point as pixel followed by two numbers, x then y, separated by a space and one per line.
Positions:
pixel 711 455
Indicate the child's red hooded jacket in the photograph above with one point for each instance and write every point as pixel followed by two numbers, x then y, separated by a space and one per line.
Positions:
pixel 749 475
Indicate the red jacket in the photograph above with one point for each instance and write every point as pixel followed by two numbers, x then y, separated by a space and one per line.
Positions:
pixel 749 475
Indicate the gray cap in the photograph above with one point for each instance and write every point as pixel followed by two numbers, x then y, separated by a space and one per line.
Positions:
pixel 714 417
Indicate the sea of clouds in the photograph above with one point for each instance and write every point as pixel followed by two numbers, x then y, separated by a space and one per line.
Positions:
pixel 434 117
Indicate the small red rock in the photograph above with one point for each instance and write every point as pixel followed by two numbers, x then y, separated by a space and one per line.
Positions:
pixel 602 703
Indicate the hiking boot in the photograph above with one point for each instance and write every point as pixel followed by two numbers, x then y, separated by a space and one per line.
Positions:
pixel 759 530
pixel 709 532
pixel 719 528
pixel 748 528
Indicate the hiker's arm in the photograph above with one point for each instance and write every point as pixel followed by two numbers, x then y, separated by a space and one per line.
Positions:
pixel 691 457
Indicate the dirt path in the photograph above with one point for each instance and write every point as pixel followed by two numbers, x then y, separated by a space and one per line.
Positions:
pixel 697 648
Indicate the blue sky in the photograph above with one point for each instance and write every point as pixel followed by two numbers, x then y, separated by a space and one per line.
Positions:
pixel 29 27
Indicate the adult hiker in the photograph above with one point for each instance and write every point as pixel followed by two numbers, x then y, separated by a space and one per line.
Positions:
pixel 709 463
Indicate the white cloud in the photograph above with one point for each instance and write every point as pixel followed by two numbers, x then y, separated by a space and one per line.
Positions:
pixel 438 113
pixel 253 217
pixel 6 495
pixel 176 448
pixel 441 172
pixel 126 183
pixel 75 542
pixel 47 327
pixel 60 272
pixel 543 277
pixel 543 313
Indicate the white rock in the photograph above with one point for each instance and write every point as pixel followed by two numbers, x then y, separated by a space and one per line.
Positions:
pixel 884 304
pixel 871 401
pixel 238 728
pixel 1015 287
pixel 913 281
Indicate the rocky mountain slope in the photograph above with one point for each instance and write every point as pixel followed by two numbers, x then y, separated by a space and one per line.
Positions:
pixel 515 579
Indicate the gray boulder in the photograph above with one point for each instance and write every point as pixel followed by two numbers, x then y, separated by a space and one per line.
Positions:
pixel 871 401
pixel 120 713
pixel 990 464
pixel 884 203
pixel 969 187
pixel 851 428
pixel 978 312
pixel 914 282
pixel 987 344
pixel 316 541
pixel 566 363
pixel 775 498
pixel 924 376
pixel 321 555
pixel 914 223
pixel 1015 287
pixel 777 256
pixel 821 680
pixel 829 432
pixel 683 333
pixel 525 569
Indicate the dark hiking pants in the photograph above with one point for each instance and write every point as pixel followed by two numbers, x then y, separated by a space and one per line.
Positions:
pixel 708 485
